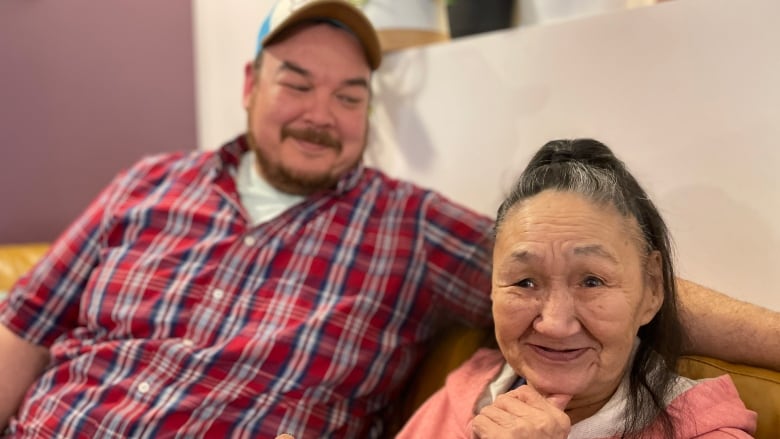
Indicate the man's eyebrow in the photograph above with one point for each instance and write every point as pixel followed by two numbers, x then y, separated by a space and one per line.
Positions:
pixel 295 68
pixel 596 250
pixel 356 82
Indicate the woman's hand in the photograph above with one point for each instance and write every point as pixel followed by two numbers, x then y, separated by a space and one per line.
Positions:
pixel 524 413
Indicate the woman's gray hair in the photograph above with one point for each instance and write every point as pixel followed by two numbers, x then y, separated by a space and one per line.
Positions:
pixel 589 168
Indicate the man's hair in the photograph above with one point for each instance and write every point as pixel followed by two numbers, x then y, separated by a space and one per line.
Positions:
pixel 589 168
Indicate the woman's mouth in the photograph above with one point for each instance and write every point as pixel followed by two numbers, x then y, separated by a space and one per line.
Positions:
pixel 557 355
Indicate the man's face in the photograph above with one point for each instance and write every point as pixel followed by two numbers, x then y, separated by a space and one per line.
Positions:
pixel 307 108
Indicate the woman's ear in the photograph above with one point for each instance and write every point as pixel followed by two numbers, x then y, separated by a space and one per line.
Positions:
pixel 654 287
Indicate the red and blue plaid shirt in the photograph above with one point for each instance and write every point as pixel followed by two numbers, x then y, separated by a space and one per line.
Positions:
pixel 167 314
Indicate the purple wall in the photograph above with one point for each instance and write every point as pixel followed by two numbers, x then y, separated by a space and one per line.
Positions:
pixel 86 88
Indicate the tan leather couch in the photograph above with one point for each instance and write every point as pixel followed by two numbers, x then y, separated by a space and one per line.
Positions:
pixel 15 260
pixel 759 388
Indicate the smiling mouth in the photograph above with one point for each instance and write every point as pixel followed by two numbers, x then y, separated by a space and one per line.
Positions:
pixel 557 355
pixel 312 147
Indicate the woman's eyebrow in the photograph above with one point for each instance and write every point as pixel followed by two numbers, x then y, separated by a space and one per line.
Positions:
pixel 595 250
pixel 524 256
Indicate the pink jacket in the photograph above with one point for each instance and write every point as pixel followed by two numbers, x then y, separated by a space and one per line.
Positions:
pixel 448 413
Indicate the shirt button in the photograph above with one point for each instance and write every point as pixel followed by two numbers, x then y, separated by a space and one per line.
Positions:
pixel 143 387
pixel 187 342
pixel 249 241
pixel 218 294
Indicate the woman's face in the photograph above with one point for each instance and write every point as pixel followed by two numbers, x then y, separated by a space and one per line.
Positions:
pixel 571 287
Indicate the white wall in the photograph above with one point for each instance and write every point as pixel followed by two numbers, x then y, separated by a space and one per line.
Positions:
pixel 225 35
pixel 686 92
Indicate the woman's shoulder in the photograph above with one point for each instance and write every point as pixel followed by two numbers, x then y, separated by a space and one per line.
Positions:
pixel 710 405
pixel 471 377
pixel 449 411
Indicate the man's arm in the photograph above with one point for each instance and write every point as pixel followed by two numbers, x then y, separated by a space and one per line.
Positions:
pixel 21 363
pixel 722 327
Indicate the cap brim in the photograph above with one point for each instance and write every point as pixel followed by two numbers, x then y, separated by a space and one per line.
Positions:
pixel 346 14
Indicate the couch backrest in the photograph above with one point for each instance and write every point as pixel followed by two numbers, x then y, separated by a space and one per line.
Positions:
pixel 759 388
pixel 15 260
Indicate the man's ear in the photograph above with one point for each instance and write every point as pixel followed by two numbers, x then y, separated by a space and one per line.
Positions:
pixel 250 82
pixel 654 287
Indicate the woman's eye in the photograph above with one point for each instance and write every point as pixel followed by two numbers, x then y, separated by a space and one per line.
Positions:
pixel 592 282
pixel 525 283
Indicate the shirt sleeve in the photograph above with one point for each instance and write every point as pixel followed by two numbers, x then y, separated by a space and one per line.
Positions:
pixel 45 302
pixel 459 245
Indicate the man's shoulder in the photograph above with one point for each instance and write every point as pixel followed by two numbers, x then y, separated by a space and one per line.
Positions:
pixel 395 185
pixel 172 163
pixel 381 186
pixel 401 189
pixel 388 182
pixel 190 162
pixel 176 159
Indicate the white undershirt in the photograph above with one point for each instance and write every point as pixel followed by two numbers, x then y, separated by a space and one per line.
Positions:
pixel 260 200
pixel 608 421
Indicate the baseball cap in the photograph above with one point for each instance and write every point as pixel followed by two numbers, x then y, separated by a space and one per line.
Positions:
pixel 286 13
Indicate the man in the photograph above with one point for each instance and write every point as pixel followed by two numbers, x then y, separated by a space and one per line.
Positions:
pixel 275 285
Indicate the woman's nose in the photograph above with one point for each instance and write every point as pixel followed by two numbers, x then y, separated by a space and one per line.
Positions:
pixel 557 315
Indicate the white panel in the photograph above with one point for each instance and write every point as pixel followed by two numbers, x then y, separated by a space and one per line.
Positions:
pixel 225 34
pixel 686 92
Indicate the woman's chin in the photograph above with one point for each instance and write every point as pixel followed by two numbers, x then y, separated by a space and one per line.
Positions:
pixel 554 384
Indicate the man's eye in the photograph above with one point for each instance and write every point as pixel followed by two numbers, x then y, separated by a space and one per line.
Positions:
pixel 298 87
pixel 592 282
pixel 349 100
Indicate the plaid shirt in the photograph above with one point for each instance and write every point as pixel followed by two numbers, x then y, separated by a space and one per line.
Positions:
pixel 168 314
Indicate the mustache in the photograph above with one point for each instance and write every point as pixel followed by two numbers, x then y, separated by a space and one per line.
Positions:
pixel 312 135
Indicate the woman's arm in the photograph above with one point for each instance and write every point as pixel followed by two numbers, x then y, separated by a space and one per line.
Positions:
pixel 726 328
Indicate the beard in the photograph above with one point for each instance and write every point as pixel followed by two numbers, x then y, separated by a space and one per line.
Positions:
pixel 292 181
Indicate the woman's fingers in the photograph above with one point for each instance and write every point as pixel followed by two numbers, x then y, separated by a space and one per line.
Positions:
pixel 559 401
pixel 524 412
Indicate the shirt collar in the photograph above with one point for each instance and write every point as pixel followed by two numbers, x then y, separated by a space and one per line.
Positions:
pixel 229 157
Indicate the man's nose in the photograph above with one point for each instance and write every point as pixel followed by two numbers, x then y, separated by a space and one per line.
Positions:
pixel 319 112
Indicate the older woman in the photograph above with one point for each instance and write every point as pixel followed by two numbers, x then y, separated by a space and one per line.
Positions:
pixel 584 304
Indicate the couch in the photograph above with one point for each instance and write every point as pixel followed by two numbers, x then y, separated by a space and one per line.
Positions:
pixel 759 388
